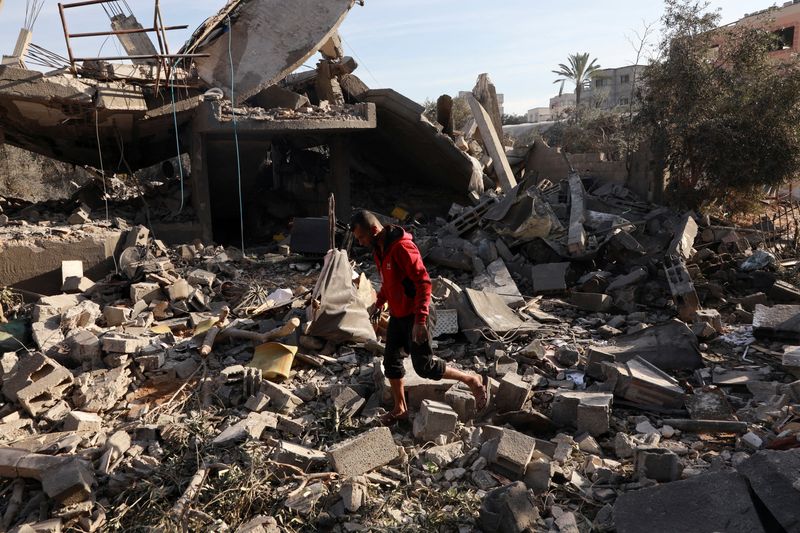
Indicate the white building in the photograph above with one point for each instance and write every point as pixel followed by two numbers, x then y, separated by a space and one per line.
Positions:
pixel 559 104
pixel 539 114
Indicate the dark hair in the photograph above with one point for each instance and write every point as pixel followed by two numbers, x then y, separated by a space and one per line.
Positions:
pixel 364 219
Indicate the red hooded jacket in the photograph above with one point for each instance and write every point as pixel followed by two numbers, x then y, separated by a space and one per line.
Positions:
pixel 406 285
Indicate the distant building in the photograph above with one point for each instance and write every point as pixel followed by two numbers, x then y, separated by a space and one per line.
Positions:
pixel 539 114
pixel 784 21
pixel 559 104
pixel 612 87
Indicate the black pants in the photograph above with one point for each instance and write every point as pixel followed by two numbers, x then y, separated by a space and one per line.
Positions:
pixel 398 337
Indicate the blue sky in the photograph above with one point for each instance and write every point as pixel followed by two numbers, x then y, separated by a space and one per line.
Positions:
pixel 423 48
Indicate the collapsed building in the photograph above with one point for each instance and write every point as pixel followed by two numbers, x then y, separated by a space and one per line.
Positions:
pixel 644 373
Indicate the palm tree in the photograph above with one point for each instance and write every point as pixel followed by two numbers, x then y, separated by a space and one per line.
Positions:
pixel 579 70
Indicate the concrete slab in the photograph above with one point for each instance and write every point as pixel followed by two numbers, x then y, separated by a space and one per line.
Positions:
pixel 707 503
pixel 775 479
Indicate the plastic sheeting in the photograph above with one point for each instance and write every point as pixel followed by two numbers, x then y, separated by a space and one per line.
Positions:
pixel 340 316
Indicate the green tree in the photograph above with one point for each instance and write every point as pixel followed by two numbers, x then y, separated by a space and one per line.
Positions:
pixel 724 122
pixel 579 71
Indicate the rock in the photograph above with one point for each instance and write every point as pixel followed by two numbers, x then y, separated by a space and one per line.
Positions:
pixel 775 479
pixel 509 509
pixel 442 456
pixel 354 493
pixel 567 356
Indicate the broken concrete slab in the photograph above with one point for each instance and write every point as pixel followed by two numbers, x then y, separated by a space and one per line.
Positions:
pixel 685 235
pixel 100 390
pixel 591 301
pixel 37 383
pixel 252 426
pixel 775 479
pixel 640 382
pixel 779 322
pixel 362 453
pixel 659 464
pixel 707 503
pixel 669 346
pixel 589 412
pixel 493 145
pixel 549 278
pixel 83 421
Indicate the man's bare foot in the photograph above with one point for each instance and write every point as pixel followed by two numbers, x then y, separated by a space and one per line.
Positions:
pixel 390 419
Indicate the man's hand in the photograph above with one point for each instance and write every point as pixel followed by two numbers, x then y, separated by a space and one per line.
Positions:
pixel 419 333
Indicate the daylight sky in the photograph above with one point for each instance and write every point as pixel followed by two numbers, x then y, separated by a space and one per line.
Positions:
pixel 423 48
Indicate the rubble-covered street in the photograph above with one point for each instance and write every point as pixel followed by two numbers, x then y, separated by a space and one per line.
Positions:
pixel 175 360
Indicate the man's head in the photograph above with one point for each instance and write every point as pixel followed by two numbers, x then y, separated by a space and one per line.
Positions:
pixel 366 228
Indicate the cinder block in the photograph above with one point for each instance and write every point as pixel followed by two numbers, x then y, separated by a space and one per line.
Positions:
pixel 81 421
pixel 37 383
pixel 512 393
pixel 146 291
pixel 123 343
pixel 513 453
pixel 84 346
pixel 586 411
pixel 462 401
pixel 365 452
pixel 70 483
pixel 434 419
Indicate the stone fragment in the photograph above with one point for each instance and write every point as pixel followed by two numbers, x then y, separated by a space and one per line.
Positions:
pixel 549 277
pixel 362 453
pixel 37 383
pixel 47 335
pixel 75 284
pixel 484 480
pixel 252 426
pixel 442 456
pixel 592 302
pixel 659 464
pixel 100 390
pixel 84 346
pixel 462 401
pixel 348 402
pixel 538 475
pixel 281 400
pixel 146 292
pixel 509 509
pixel 588 412
pixel 433 420
pixel 512 393
pixel 115 315
pixel 297 455
pixel 180 290
pixel 137 236
pixel 83 315
pixel 115 342
pixel 710 317
pixel 567 356
pixel 201 277
pixel 69 483
pixel 354 493
pixel 82 421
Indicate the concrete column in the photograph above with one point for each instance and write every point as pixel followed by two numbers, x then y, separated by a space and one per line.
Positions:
pixel 340 176
pixel 201 199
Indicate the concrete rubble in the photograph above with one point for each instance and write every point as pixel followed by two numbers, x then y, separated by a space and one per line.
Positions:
pixel 643 363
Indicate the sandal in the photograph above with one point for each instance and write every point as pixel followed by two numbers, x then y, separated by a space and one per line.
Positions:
pixel 390 419
pixel 482 397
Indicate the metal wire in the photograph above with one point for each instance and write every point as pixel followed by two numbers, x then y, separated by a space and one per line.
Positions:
pixel 236 133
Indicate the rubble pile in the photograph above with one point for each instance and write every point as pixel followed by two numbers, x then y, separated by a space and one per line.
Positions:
pixel 642 362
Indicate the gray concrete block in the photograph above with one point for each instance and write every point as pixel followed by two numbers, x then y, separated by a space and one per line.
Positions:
pixel 509 509
pixel 512 393
pixel 363 453
pixel 82 421
pixel 37 383
pixel 434 419
pixel 513 452
pixel 659 464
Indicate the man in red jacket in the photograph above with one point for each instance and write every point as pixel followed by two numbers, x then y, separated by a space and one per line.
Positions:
pixel 406 287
